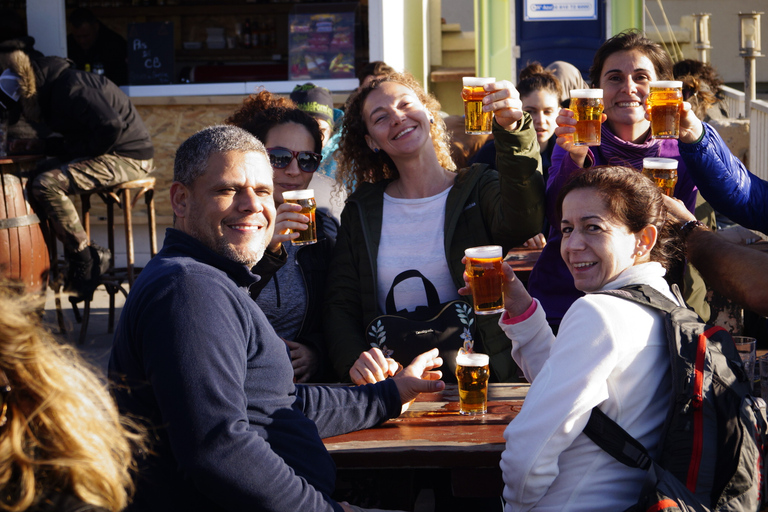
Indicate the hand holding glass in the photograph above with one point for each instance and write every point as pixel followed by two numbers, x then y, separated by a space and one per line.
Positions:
pixel 483 267
pixel 305 199
pixel 587 108
pixel 476 121
pixel 665 103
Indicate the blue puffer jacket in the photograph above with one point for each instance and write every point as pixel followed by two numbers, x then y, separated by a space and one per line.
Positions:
pixel 724 181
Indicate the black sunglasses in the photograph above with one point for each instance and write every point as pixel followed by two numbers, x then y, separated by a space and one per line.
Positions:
pixel 5 389
pixel 280 158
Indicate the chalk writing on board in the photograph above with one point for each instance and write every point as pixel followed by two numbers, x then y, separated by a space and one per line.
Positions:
pixel 150 53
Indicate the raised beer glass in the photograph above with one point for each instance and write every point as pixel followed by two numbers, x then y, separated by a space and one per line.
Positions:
pixel 587 107
pixel 476 121
pixel 665 103
pixel 663 171
pixel 472 374
pixel 483 266
pixel 306 199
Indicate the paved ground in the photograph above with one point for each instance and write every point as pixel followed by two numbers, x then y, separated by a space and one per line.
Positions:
pixel 98 341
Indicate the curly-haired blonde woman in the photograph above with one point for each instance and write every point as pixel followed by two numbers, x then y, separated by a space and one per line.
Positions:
pixel 411 210
pixel 63 445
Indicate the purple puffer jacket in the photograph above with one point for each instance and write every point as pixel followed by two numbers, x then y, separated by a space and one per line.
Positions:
pixel 550 281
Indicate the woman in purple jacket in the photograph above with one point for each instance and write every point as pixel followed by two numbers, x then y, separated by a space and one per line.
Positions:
pixel 623 67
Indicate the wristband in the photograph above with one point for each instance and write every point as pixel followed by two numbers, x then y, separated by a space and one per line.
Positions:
pixel 689 226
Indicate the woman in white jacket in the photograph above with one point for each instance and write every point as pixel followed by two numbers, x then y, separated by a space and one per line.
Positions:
pixel 609 352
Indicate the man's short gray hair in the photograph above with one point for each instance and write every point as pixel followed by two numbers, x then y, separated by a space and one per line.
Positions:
pixel 193 154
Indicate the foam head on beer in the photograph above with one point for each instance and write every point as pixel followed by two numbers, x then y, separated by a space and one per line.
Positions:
pixel 666 84
pixel 477 81
pixel 472 359
pixel 293 195
pixel 659 163
pixel 485 252
pixel 587 93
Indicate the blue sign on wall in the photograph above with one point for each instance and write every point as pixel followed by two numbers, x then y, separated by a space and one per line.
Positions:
pixel 560 10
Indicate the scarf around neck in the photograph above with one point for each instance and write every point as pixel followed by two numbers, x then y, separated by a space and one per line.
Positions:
pixel 617 151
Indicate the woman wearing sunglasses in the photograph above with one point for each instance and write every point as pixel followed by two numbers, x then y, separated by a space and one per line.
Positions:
pixel 412 210
pixel 292 298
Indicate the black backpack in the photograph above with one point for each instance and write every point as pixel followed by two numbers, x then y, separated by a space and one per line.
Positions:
pixel 712 454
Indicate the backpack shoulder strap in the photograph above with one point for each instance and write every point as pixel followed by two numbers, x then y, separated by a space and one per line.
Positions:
pixel 608 435
pixel 644 295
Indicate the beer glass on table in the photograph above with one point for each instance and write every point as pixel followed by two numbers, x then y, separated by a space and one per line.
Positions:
pixel 306 199
pixel 476 121
pixel 472 373
pixel 483 267
pixel 665 103
pixel 663 171
pixel 587 108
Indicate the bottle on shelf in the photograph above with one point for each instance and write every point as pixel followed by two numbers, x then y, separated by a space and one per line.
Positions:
pixel 247 33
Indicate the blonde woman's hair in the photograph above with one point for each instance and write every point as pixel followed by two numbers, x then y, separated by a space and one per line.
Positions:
pixel 357 163
pixel 63 429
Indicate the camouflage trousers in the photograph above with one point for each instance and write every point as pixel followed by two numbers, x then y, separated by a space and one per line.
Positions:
pixel 54 183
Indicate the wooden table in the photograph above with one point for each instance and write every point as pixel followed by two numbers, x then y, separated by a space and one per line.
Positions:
pixel 522 260
pixel 433 434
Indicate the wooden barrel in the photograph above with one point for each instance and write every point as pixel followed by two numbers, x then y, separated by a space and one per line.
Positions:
pixel 23 252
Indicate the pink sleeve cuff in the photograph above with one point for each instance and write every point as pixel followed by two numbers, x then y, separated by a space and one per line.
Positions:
pixel 506 320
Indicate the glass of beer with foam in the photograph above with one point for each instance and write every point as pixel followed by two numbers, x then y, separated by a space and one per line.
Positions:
pixel 665 103
pixel 472 374
pixel 663 171
pixel 483 266
pixel 476 121
pixel 306 199
pixel 587 108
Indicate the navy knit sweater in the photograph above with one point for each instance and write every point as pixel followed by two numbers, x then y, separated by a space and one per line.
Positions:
pixel 195 358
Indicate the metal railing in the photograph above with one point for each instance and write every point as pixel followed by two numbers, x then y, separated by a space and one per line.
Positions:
pixel 758 138
pixel 734 102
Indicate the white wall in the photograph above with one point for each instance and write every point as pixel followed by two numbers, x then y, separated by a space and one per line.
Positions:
pixel 459 11
pixel 723 29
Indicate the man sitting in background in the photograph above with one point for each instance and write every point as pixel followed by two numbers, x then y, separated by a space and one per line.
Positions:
pixel 103 142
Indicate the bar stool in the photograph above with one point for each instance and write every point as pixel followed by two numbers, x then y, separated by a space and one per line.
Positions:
pixel 120 194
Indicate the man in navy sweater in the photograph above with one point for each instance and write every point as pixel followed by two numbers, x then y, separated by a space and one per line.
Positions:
pixel 196 359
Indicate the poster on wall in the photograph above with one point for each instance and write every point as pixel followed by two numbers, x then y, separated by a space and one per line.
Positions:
pixel 321 46
pixel 560 10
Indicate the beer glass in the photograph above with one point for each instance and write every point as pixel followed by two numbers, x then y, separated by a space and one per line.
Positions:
pixel 665 103
pixel 306 199
pixel 587 107
pixel 472 374
pixel 486 278
pixel 663 171
pixel 476 121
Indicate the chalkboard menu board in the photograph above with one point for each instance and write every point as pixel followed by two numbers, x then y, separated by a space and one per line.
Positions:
pixel 150 53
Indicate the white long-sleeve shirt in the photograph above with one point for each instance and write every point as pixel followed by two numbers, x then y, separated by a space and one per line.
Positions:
pixel 610 353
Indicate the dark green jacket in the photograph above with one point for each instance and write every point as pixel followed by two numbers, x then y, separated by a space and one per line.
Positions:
pixel 485 206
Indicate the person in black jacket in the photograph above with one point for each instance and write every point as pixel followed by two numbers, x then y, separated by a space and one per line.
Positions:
pixel 292 297
pixel 103 142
